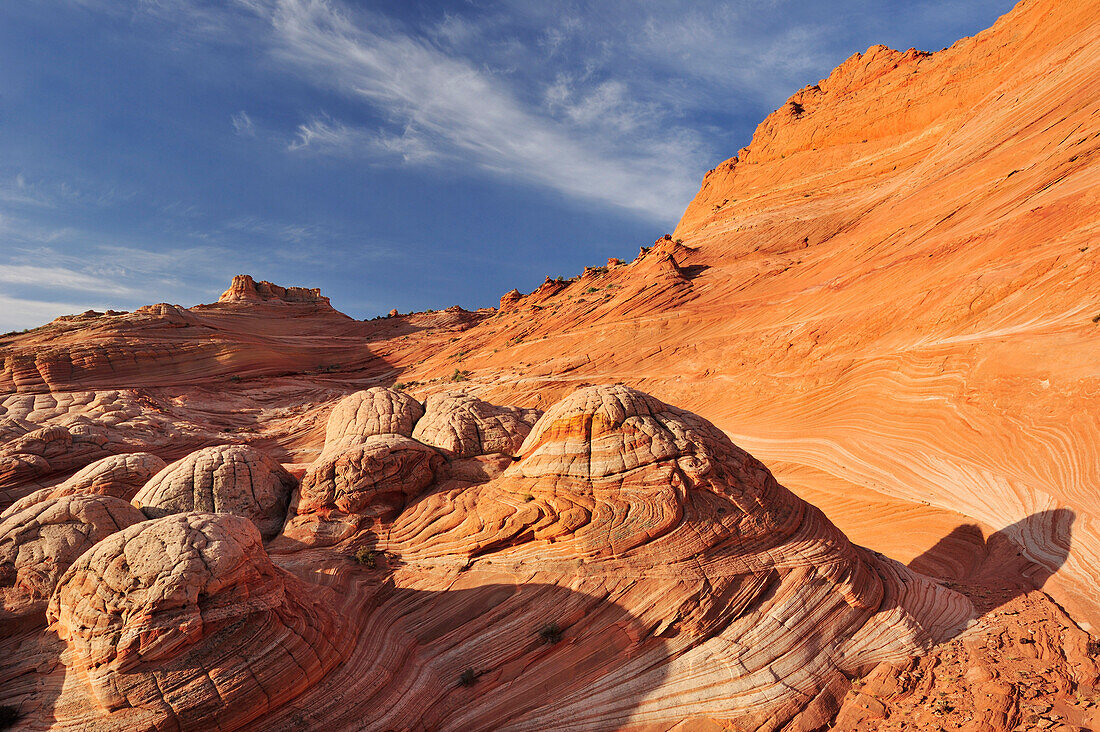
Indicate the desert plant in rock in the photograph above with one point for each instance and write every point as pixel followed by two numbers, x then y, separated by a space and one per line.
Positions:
pixel 550 633
pixel 366 557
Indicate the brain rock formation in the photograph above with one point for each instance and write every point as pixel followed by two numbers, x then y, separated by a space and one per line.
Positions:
pixel 49 450
pixel 236 479
pixel 120 476
pixel 889 296
pixel 466 426
pixel 39 543
pixel 184 621
pixel 375 478
pixel 692 552
pixel 375 411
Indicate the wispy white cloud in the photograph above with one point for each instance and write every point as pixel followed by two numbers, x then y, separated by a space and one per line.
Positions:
pixel 242 124
pixel 322 132
pixel 60 278
pixel 444 105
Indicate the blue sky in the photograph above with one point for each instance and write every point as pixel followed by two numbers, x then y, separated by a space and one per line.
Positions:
pixel 406 154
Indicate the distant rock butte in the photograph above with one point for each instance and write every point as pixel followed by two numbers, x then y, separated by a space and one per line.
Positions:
pixel 888 297
pixel 245 289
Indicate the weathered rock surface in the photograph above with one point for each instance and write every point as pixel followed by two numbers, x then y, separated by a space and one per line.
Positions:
pixel 374 411
pixel 888 298
pixel 184 622
pixel 38 544
pixel 466 426
pixel 344 489
pixel 235 479
pixel 121 476
pixel 627 524
pixel 246 290
pixel 50 450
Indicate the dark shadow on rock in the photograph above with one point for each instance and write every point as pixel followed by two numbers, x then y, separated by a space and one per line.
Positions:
pixel 483 655
pixel 481 658
pixel 31 673
pixel 692 271
pixel 1009 563
pixel 475 656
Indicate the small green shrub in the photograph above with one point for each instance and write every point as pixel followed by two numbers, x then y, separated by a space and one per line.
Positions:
pixel 527 498
pixel 550 633
pixel 942 707
pixel 366 557
pixel 459 375
pixel 234 378
pixel 467 677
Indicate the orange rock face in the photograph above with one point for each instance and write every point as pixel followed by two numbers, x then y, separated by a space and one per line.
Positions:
pixel 184 621
pixel 436 521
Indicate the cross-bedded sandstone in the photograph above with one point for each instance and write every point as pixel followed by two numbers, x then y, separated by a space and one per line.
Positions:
pixel 120 476
pixel 466 426
pixel 375 411
pixel 184 621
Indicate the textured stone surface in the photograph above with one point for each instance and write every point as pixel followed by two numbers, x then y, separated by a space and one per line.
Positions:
pixel 186 619
pixel 677 571
pixel 467 426
pixel 39 543
pixel 344 489
pixel 120 476
pixel 50 450
pixel 235 479
pixel 375 411
pixel 888 298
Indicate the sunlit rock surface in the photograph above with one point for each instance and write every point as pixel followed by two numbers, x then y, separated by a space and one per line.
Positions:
pixel 888 298
pixel 235 479
pixel 40 542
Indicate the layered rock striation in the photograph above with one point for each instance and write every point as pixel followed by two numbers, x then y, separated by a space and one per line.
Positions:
pixel 184 621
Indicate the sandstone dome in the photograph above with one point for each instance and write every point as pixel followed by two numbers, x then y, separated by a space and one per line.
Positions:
pixel 40 542
pixel 236 479
pixel 184 621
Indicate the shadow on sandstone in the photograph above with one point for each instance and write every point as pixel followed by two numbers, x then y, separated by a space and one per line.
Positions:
pixel 486 653
pixel 1009 563
pixel 484 657
pixel 489 652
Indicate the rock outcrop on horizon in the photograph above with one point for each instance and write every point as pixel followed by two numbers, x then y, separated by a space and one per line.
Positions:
pixel 262 514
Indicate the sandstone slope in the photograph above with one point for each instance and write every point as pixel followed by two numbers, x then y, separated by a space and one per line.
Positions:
pixel 888 297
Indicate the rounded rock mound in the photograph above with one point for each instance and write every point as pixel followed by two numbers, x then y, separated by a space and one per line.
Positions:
pixel 374 411
pixel 466 426
pixel 236 479
pixel 40 542
pixel 186 620
pixel 372 480
pixel 599 432
pixel 121 476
